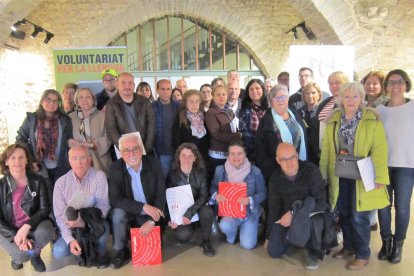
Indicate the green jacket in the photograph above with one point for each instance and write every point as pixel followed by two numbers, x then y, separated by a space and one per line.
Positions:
pixel 369 139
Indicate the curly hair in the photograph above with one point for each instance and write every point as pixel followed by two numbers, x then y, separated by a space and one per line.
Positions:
pixel 5 155
pixel 199 161
pixel 40 112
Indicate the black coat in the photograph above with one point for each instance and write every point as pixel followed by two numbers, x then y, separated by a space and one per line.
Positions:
pixel 35 204
pixel 120 189
pixel 283 193
pixel 198 181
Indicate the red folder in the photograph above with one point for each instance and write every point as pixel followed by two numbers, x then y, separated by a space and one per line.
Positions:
pixel 146 250
pixel 232 191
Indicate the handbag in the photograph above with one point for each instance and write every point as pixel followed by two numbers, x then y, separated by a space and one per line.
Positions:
pixel 345 165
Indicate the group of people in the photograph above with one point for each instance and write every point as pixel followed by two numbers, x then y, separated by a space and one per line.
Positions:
pixel 98 164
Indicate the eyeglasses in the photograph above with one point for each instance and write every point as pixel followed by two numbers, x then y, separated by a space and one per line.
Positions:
pixel 109 80
pixel 279 98
pixel 288 159
pixel 400 82
pixel 49 100
pixel 134 150
pixel 305 76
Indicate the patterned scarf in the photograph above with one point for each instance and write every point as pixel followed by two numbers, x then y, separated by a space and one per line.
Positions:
pixel 237 174
pixel 47 138
pixel 257 115
pixel 196 123
pixel 347 129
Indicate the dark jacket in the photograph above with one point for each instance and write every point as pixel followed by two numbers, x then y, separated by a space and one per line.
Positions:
pixel 35 204
pixel 120 189
pixel 116 122
pixel 218 124
pixel 27 135
pixel 159 123
pixel 198 181
pixel 183 134
pixel 101 99
pixel 267 139
pixel 283 193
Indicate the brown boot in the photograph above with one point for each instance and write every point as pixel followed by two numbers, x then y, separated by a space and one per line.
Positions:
pixel 343 253
pixel 357 264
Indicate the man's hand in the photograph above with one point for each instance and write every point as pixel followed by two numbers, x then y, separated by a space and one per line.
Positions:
pixel 75 248
pixel 220 198
pixel 78 223
pixel 286 219
pixel 173 225
pixel 21 235
pixel 243 200
pixel 186 221
pixel 146 228
pixel 153 212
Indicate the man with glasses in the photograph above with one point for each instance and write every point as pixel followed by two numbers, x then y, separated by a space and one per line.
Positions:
pixel 136 194
pixel 293 181
pixel 128 112
pixel 305 77
pixel 108 79
pixel 82 187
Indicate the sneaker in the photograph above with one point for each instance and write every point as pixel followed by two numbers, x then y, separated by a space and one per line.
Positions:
pixel 15 265
pixel 208 249
pixel 37 263
pixel 311 261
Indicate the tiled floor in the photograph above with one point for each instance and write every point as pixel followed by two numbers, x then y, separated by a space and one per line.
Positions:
pixel 230 260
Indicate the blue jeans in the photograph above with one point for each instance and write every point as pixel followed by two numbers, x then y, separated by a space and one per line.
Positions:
pixel 61 249
pixel 355 225
pixel 166 161
pixel 248 230
pixel 400 191
pixel 277 241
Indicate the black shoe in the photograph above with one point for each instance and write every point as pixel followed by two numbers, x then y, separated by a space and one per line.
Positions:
pixel 102 262
pixel 15 265
pixel 121 257
pixel 396 253
pixel 37 263
pixel 374 227
pixel 208 249
pixel 385 252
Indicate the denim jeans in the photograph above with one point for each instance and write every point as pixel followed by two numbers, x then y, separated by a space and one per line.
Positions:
pixel 166 161
pixel 277 241
pixel 355 225
pixel 61 249
pixel 248 230
pixel 42 235
pixel 400 191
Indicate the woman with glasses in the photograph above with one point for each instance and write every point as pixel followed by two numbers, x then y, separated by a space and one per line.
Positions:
pixel 354 131
pixel 397 115
pixel 253 108
pixel 89 129
pixel 206 96
pixel 279 124
pixel 46 133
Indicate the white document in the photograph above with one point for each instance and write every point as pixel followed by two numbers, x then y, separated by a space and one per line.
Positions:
pixel 367 171
pixel 179 199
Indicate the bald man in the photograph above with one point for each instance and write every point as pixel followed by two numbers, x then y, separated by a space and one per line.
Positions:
pixel 294 180
pixel 182 85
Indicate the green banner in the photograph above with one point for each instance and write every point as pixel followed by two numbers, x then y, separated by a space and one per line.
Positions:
pixel 86 64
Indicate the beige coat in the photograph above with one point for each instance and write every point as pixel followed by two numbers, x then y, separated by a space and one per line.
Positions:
pixel 101 157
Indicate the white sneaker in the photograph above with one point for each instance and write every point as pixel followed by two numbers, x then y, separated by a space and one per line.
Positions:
pixel 311 261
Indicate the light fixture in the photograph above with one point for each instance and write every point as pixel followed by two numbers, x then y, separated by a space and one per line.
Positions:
pixel 49 36
pixel 36 31
pixel 309 34
pixel 17 24
pixel 18 34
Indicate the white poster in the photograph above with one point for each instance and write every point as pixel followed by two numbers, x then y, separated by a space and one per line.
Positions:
pixel 179 199
pixel 323 60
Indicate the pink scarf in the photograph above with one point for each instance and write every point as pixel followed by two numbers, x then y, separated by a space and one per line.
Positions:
pixel 237 174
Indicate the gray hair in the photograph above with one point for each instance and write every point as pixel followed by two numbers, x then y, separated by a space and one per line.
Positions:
pixel 83 147
pixel 76 98
pixel 130 136
pixel 275 89
pixel 353 86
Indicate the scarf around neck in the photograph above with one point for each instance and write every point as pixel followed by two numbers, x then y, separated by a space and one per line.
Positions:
pixel 47 138
pixel 348 128
pixel 197 126
pixel 237 174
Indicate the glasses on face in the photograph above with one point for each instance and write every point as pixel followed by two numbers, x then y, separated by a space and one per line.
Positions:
pixel 50 101
pixel 279 98
pixel 134 150
pixel 288 159
pixel 399 82
pixel 355 98
pixel 79 158
pixel 109 80
pixel 305 76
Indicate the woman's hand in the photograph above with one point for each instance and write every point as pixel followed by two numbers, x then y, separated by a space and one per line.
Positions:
pixel 186 221
pixel 26 246
pixel 21 235
pixel 379 186
pixel 243 200
pixel 220 198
